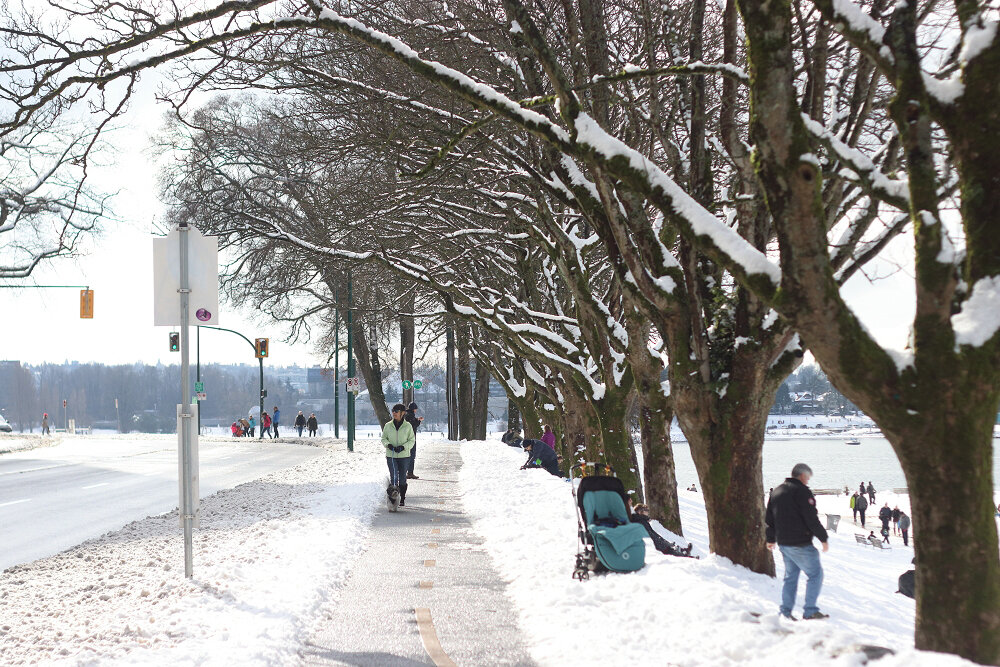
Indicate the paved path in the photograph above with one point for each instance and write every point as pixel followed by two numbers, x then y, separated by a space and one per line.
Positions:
pixel 424 591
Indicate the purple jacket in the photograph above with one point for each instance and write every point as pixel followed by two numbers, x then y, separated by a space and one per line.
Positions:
pixel 550 440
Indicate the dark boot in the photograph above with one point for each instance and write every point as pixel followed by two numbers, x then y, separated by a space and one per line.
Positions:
pixel 402 496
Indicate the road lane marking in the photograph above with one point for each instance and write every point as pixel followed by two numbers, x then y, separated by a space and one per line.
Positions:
pixel 94 486
pixel 430 563
pixel 428 635
pixel 15 502
pixel 426 584
pixel 432 545
pixel 435 531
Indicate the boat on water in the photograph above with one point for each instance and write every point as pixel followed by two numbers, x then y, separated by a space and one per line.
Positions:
pixel 853 441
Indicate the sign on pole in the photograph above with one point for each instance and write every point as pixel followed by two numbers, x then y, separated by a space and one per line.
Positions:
pixel 407 384
pixel 203 279
pixel 199 386
pixel 202 396
pixel 354 384
pixel 418 384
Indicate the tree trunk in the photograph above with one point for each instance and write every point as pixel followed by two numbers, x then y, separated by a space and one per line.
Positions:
pixel 610 416
pixel 955 531
pixel 513 415
pixel 480 402
pixel 367 362
pixel 465 427
pixel 726 436
pixel 407 340
pixel 655 415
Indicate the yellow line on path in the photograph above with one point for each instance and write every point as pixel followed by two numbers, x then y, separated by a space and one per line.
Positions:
pixel 429 563
pixel 428 635
pixel 435 531
pixel 426 584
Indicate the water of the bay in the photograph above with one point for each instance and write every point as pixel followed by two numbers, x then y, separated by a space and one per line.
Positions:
pixel 834 463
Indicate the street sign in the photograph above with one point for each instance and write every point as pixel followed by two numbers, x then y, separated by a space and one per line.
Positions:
pixel 201 395
pixel 354 384
pixel 407 384
pixel 199 386
pixel 417 384
pixel 203 278
pixel 87 304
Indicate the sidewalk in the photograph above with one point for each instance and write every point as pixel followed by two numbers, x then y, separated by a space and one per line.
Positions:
pixel 424 592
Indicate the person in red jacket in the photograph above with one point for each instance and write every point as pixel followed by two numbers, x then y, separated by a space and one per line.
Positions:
pixel 265 425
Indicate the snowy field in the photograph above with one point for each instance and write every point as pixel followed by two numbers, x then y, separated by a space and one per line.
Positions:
pixel 267 556
pixel 676 611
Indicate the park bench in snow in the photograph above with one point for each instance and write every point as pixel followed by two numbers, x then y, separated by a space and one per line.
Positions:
pixel 879 544
pixel 862 540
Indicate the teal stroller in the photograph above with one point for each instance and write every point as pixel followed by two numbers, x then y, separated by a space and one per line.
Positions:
pixel 608 541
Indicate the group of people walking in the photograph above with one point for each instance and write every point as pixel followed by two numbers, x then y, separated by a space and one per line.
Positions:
pixel 302 423
pixel 269 424
pixel 865 496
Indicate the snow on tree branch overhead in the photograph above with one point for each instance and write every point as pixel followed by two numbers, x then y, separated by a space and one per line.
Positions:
pixel 979 320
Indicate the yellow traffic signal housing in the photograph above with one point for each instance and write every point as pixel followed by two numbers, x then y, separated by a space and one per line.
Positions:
pixel 260 346
pixel 87 304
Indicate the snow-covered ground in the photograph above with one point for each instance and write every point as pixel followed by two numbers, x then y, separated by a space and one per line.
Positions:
pixel 676 611
pixel 267 557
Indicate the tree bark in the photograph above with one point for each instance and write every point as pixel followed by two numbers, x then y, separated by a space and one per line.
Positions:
pixel 465 401
pixel 480 403
pixel 367 362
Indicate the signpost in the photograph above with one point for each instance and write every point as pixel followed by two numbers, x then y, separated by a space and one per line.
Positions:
pixel 186 269
pixel 418 384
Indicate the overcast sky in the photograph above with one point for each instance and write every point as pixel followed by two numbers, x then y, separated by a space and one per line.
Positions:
pixel 43 325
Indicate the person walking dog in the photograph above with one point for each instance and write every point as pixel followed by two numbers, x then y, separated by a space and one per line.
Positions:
pixel 792 523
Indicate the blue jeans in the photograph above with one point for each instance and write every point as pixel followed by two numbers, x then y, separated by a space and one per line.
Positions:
pixel 801 559
pixel 397 471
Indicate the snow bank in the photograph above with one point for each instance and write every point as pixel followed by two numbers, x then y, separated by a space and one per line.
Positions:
pixel 266 559
pixel 674 611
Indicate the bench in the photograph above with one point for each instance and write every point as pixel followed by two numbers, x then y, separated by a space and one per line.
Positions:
pixel 862 540
pixel 879 544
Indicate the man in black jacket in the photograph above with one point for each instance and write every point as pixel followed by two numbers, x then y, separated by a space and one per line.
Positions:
pixel 415 421
pixel 792 522
pixel 540 455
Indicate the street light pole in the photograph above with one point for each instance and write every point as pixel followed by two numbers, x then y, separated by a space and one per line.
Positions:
pixel 336 364
pixel 350 362
pixel 187 510
pixel 198 371
pixel 261 360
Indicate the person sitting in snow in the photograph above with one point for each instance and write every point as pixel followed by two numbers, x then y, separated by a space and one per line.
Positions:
pixel 641 516
pixel 510 437
pixel 540 455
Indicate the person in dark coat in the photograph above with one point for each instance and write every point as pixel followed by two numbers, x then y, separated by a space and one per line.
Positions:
pixel 540 455
pixel 415 421
pixel 871 493
pixel 885 516
pixel 895 520
pixel 861 504
pixel 509 437
pixel 300 422
pixel 313 424
pixel 663 545
pixel 792 523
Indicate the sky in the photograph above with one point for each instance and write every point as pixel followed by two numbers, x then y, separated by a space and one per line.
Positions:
pixel 43 325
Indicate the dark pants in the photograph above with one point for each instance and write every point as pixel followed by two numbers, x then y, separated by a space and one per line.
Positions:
pixel 275 427
pixel 871 498
pixel 413 457
pixel 906 537
pixel 855 514
pixel 862 512
pixel 397 472
pixel 312 432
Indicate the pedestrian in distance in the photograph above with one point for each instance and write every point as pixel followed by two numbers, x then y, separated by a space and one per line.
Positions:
pixel 312 423
pixel 854 506
pixel 861 489
pixel 548 437
pixel 398 439
pixel 414 422
pixel 871 493
pixel 300 422
pixel 862 504
pixel 274 421
pixel 885 533
pixel 251 426
pixel 244 427
pixel 235 428
pixel 45 423
pixel 904 528
pixel 265 425
pixel 895 520
pixel 792 523
pixel 885 516
pixel 540 455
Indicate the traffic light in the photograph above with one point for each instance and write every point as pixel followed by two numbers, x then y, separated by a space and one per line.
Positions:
pixel 260 345
pixel 175 341
pixel 87 304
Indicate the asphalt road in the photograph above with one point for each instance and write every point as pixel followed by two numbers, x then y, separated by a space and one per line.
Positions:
pixel 54 498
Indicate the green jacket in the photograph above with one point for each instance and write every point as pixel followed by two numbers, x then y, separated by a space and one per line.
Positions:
pixel 393 437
